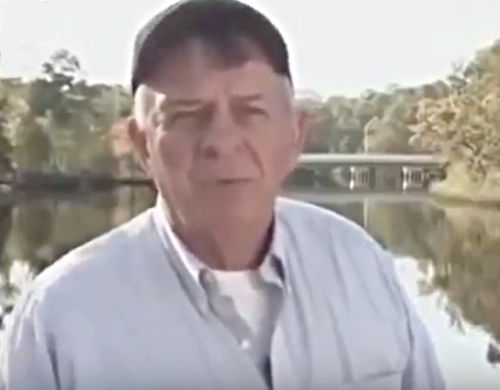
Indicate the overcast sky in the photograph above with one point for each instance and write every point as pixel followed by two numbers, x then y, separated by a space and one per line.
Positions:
pixel 337 47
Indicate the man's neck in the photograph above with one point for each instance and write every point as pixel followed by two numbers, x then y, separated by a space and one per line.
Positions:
pixel 228 246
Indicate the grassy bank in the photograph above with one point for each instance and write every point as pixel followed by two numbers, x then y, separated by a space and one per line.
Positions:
pixel 459 185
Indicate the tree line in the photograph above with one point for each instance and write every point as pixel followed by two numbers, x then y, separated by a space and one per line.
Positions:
pixel 59 122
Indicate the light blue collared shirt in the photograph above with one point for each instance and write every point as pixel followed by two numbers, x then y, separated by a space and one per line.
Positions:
pixel 269 269
pixel 256 342
pixel 122 313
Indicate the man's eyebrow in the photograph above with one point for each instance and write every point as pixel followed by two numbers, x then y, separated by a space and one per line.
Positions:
pixel 169 104
pixel 248 98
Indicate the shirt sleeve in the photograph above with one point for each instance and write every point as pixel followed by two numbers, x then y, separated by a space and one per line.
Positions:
pixel 422 370
pixel 25 358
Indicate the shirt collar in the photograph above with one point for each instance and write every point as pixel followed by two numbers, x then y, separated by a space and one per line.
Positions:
pixel 189 261
pixel 273 268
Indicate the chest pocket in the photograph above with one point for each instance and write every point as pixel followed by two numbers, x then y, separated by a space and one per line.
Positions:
pixel 376 349
pixel 382 382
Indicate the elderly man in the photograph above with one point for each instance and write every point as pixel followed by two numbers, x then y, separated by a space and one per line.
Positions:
pixel 221 285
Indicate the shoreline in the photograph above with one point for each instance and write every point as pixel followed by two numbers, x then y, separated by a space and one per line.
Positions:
pixel 487 195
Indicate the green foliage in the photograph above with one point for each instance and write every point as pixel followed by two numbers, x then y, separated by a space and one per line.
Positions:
pixel 376 122
pixel 465 125
pixel 64 123
pixel 5 145
pixel 8 115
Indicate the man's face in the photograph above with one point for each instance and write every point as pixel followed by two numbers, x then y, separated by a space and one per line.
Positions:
pixel 218 142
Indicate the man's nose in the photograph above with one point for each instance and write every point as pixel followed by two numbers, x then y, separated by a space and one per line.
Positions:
pixel 221 138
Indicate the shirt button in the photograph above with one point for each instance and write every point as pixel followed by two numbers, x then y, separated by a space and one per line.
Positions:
pixel 245 344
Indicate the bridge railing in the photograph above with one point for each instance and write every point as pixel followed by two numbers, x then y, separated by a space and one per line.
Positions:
pixel 367 159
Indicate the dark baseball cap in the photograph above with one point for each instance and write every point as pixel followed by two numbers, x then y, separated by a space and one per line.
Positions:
pixel 221 24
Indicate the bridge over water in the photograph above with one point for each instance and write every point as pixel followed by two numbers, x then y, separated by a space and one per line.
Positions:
pixel 376 171
pixel 372 159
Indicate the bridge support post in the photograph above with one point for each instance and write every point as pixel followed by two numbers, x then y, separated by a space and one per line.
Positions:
pixel 359 177
pixel 413 178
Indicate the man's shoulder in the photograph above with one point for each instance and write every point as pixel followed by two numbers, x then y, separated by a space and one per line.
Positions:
pixel 91 263
pixel 307 217
pixel 333 236
pixel 326 238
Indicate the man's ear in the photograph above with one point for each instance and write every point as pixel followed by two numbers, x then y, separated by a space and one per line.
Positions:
pixel 301 127
pixel 139 140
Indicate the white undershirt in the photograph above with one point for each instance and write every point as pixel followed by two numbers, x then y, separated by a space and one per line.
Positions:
pixel 257 306
pixel 251 296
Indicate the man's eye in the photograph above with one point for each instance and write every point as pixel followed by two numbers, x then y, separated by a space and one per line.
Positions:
pixel 181 115
pixel 184 117
pixel 254 111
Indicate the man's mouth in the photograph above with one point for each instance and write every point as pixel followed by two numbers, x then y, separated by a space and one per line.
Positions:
pixel 234 181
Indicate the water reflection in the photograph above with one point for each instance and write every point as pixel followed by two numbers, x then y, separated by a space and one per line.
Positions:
pixel 37 230
pixel 456 249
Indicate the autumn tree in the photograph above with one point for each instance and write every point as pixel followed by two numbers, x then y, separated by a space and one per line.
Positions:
pixel 465 125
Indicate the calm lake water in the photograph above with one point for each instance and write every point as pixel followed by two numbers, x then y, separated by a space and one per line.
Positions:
pixel 447 256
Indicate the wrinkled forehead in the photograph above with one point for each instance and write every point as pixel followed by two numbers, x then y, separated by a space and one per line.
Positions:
pixel 197 70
